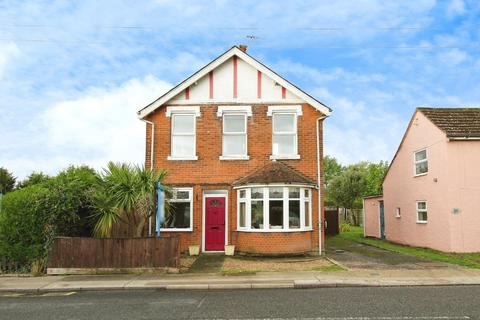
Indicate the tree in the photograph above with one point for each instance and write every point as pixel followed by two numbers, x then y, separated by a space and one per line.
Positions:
pixel 128 195
pixel 7 181
pixel 331 169
pixel 33 179
pixel 347 188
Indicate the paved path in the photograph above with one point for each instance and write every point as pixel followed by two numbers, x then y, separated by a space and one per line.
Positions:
pixel 405 303
pixel 381 277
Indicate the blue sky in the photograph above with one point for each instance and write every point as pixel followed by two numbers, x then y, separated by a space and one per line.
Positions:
pixel 73 74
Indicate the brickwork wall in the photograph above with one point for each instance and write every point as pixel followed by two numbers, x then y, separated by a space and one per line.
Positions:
pixel 208 172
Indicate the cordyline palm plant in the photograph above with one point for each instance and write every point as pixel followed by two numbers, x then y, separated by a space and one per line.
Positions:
pixel 127 195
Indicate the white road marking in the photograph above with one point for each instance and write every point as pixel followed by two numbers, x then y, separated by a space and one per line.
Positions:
pixel 360 318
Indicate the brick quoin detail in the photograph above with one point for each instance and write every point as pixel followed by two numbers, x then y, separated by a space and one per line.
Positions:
pixel 208 172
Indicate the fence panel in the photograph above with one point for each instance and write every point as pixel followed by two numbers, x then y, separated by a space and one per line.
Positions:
pixel 115 253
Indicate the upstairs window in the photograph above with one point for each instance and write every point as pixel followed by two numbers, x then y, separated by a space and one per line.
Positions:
pixel 234 135
pixel 284 140
pixel 183 136
pixel 183 126
pixel 422 214
pixel 421 162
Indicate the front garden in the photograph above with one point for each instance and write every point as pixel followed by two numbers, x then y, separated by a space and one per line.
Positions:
pixel 78 202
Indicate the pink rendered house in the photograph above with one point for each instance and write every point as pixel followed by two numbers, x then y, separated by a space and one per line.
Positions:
pixel 431 193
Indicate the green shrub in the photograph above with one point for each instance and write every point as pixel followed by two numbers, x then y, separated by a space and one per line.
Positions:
pixel 33 216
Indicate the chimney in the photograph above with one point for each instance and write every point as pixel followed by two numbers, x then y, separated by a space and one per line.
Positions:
pixel 242 47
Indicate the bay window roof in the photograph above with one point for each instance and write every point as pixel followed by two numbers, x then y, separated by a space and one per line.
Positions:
pixel 272 173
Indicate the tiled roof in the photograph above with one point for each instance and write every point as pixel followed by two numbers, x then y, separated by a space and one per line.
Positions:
pixel 274 172
pixel 455 122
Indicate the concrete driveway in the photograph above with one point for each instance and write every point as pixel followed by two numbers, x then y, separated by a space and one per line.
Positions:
pixel 353 255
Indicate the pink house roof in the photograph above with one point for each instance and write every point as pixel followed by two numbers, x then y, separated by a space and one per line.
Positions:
pixel 455 122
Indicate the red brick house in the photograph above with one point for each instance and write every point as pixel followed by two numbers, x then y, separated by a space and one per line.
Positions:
pixel 243 148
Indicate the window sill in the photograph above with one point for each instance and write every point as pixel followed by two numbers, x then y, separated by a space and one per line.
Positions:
pixel 398 217
pixel 285 157
pixel 274 230
pixel 422 222
pixel 420 175
pixel 172 158
pixel 234 157
pixel 174 230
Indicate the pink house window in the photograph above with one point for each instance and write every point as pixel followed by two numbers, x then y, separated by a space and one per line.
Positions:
pixel 421 162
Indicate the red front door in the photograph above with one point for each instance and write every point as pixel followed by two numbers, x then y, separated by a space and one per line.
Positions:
pixel 214 224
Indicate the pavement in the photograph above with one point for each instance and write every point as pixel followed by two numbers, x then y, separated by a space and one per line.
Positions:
pixel 261 280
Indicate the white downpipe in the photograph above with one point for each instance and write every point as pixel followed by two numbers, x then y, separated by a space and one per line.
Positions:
pixel 152 140
pixel 320 222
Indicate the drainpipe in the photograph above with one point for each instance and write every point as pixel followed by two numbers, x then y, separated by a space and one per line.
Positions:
pixel 152 140
pixel 320 224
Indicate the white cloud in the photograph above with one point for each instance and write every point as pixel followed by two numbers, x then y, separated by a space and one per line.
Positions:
pixel 455 8
pixel 100 125
pixel 8 51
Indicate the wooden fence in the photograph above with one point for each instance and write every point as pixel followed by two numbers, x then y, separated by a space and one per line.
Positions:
pixel 115 253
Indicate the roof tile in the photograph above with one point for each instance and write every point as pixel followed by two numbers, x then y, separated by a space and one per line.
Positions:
pixel 274 172
pixel 455 122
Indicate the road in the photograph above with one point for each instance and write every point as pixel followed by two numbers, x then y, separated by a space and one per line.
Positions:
pixel 460 302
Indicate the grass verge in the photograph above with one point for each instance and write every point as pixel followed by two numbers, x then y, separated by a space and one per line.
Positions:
pixel 470 260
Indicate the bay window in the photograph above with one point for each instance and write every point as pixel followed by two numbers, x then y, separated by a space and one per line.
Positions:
pixel 275 208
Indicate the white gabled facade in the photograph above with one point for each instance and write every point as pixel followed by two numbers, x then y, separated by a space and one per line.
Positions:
pixel 234 77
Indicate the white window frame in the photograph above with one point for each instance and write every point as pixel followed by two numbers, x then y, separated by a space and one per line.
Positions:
pixel 266 205
pixel 295 154
pixel 415 162
pixel 398 212
pixel 245 133
pixel 191 157
pixel 422 210
pixel 190 200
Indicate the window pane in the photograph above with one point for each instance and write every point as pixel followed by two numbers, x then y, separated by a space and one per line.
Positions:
pixel 421 155
pixel 233 123
pixel 234 145
pixel 276 192
pixel 294 192
pixel 284 144
pixel 182 195
pixel 306 193
pixel 276 214
pixel 422 216
pixel 178 215
pixel 243 194
pixel 257 193
pixel 241 223
pixel 183 146
pixel 307 214
pixel 283 122
pixel 183 124
pixel 294 214
pixel 257 215
pixel 421 167
pixel 421 205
